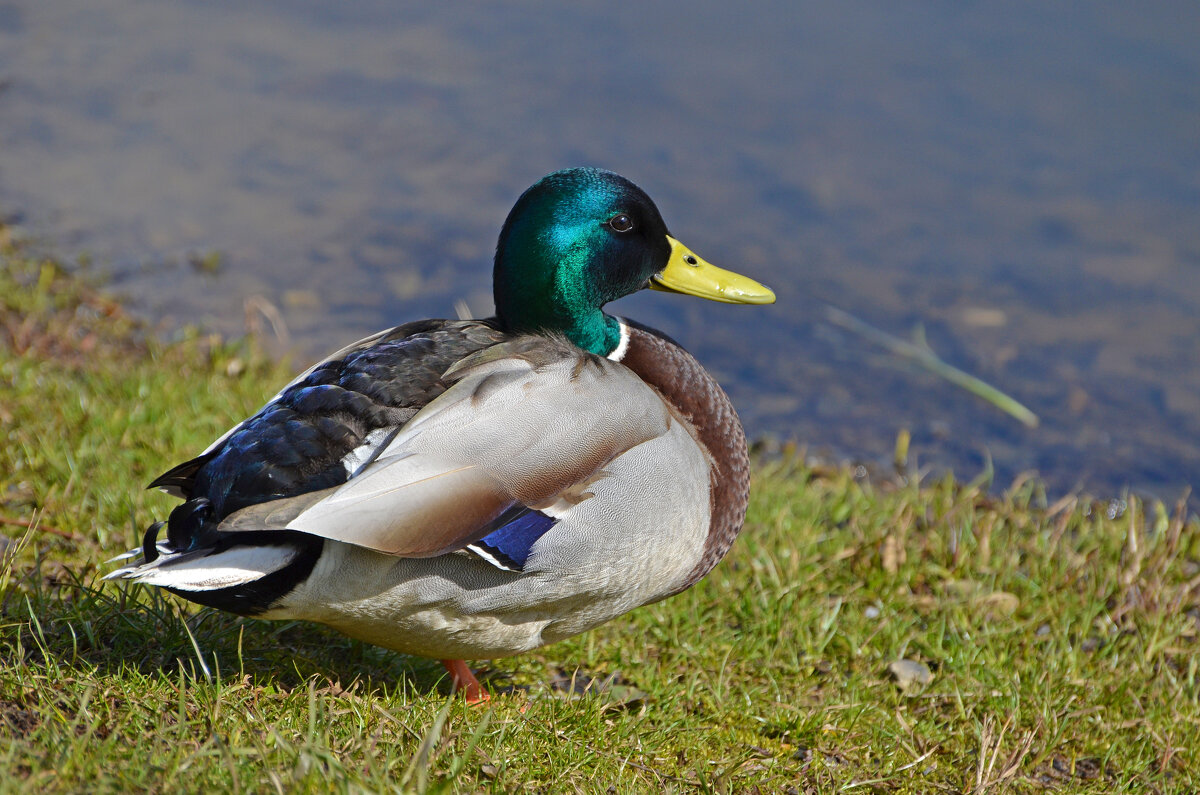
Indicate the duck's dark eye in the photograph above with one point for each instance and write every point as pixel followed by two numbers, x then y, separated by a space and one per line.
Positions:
pixel 620 223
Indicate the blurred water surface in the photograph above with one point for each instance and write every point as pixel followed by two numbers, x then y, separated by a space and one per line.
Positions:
pixel 1021 179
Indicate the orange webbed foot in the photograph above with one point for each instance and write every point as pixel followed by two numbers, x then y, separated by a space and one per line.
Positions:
pixel 465 682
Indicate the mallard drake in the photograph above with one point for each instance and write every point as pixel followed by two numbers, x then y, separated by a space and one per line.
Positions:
pixel 471 489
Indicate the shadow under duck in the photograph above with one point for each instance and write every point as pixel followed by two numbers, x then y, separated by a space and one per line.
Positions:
pixel 471 489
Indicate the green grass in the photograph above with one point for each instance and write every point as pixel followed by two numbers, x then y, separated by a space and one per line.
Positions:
pixel 1062 639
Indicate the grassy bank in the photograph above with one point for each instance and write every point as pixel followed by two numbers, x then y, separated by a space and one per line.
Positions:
pixel 1048 646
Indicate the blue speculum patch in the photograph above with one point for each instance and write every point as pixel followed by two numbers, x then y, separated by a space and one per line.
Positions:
pixel 512 542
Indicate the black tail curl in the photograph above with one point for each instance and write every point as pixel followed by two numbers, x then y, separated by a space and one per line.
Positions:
pixel 150 542
pixel 188 527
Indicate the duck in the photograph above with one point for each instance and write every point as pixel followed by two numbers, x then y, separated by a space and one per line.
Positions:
pixel 473 489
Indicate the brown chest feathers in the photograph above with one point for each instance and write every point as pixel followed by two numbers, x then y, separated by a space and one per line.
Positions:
pixel 698 397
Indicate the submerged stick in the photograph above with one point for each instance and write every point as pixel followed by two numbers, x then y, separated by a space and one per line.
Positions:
pixel 924 356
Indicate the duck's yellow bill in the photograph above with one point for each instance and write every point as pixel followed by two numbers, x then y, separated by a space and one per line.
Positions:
pixel 687 273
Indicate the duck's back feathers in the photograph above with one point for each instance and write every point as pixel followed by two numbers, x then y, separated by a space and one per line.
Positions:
pixel 522 422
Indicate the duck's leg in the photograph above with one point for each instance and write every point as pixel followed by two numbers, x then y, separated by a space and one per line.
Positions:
pixel 465 681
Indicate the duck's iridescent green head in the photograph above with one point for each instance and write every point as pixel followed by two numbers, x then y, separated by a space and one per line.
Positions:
pixel 582 237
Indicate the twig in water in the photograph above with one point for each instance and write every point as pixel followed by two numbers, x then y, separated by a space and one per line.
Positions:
pixel 923 355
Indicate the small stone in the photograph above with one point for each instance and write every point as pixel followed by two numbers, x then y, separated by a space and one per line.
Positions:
pixel 910 674
pixel 984 317
pixel 1077 400
pixel 871 612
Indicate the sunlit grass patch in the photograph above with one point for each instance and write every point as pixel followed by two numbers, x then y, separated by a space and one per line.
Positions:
pixel 1055 645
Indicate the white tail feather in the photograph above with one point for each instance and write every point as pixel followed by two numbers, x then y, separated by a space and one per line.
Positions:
pixel 235 566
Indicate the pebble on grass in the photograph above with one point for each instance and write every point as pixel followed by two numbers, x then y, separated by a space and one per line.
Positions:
pixel 910 674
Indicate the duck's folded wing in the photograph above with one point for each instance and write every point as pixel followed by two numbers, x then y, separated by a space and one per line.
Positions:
pixel 524 423
pixel 389 375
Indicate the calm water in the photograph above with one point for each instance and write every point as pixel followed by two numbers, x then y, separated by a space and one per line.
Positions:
pixel 1022 179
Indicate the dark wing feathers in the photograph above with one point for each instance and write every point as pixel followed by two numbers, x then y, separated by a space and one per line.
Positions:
pixel 295 443
pixel 178 480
